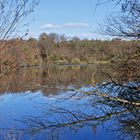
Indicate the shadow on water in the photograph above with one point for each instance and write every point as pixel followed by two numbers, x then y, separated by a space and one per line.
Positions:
pixel 62 103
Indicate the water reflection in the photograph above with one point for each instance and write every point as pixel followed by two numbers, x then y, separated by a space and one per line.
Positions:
pixel 68 110
pixel 48 79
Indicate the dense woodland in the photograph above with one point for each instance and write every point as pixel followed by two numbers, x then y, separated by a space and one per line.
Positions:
pixel 57 49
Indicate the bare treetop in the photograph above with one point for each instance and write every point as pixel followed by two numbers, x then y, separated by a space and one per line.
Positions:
pixel 125 23
pixel 12 13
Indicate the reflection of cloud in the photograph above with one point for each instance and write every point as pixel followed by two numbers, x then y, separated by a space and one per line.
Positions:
pixel 66 25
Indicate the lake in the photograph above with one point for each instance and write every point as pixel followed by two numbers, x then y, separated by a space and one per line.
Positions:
pixel 61 103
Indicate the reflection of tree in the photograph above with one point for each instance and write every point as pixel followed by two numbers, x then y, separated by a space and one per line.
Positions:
pixel 47 79
pixel 131 126
pixel 129 122
pixel 105 102
pixel 73 121
pixel 56 120
pixel 128 125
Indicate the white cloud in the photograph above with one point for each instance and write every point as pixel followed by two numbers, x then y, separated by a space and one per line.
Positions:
pixel 86 35
pixel 76 25
pixel 91 35
pixel 51 26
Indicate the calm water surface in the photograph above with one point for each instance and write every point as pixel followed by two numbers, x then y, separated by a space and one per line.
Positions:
pixel 55 103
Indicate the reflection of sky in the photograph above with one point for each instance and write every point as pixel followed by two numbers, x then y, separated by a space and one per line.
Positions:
pixel 19 107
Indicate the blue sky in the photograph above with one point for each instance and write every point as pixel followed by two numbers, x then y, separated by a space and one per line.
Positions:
pixel 69 17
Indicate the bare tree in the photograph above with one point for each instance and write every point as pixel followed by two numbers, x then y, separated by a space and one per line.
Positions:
pixel 126 22
pixel 12 15
pixel 44 45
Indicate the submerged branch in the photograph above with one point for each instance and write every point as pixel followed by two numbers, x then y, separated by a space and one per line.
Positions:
pixel 118 99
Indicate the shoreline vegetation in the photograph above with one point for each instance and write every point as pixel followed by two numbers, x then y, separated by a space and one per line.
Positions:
pixel 54 49
pixel 71 64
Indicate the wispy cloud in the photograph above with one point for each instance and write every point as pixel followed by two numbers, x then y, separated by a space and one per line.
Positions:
pixel 51 26
pixel 76 25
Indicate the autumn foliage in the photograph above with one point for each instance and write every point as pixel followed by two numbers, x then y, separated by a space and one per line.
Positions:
pixel 57 49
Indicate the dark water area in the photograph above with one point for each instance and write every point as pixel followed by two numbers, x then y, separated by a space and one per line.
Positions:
pixel 60 103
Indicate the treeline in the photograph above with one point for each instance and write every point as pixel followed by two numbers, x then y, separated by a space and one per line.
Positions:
pixel 58 49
